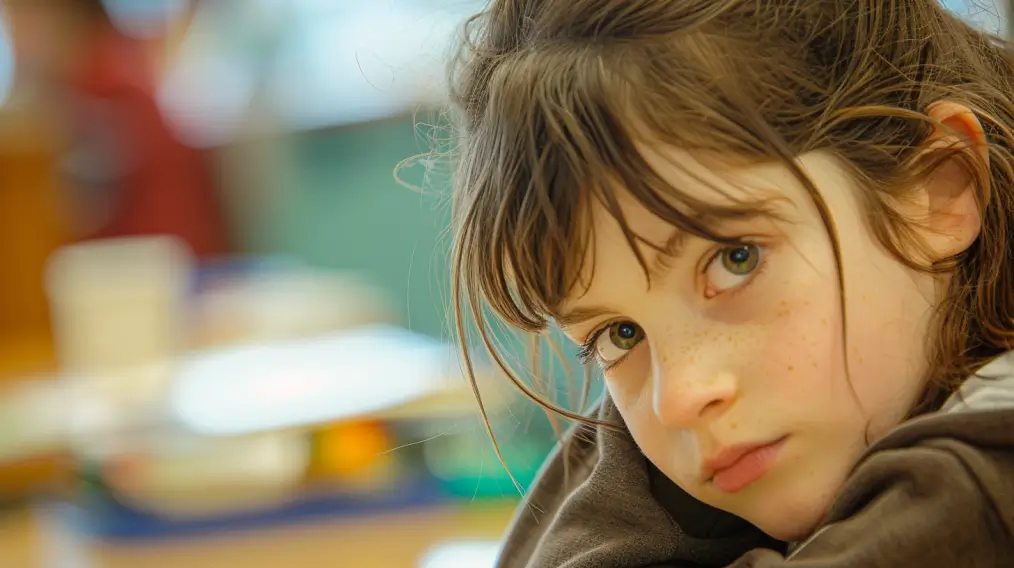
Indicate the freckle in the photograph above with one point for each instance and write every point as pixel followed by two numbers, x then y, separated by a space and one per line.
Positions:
pixel 814 364
pixel 790 367
pixel 823 322
pixel 733 426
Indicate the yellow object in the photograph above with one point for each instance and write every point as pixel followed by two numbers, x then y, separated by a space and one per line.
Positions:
pixel 352 450
pixel 32 225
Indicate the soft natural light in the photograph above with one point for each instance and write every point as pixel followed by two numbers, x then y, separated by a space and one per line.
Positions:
pixel 311 63
pixel 477 554
pixel 362 65
pixel 143 18
pixel 6 60
pixel 343 375
pixel 989 15
pixel 203 116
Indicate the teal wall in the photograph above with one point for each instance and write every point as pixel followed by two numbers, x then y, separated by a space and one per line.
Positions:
pixel 339 206
pixel 335 203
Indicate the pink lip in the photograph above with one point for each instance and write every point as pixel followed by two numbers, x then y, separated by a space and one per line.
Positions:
pixel 733 468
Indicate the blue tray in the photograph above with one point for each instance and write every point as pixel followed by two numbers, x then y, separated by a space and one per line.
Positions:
pixel 107 519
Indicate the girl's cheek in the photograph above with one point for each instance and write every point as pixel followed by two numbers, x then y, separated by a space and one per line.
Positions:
pixel 626 380
pixel 801 343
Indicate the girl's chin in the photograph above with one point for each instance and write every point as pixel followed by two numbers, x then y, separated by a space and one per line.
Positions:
pixel 791 528
pixel 789 521
pixel 791 533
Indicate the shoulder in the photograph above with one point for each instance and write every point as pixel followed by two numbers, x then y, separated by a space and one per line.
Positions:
pixel 938 492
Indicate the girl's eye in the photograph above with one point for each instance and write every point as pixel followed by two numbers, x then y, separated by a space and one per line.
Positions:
pixel 616 340
pixel 731 267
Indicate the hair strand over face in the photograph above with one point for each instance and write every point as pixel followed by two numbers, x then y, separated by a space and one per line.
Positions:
pixel 554 100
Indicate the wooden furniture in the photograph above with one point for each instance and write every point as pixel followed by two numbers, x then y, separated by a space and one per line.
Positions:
pixel 389 541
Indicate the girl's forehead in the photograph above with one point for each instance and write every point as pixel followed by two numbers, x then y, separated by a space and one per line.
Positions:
pixel 727 189
pixel 723 180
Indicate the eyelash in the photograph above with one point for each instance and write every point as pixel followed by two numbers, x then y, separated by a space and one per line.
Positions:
pixel 586 353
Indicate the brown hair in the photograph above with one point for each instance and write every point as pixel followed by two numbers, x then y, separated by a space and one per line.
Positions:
pixel 547 94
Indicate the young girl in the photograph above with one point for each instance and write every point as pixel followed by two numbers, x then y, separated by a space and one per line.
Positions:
pixel 783 228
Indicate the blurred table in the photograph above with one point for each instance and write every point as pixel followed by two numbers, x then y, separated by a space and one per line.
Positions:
pixel 27 540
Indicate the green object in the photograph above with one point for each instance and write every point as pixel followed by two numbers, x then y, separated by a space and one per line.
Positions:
pixel 469 474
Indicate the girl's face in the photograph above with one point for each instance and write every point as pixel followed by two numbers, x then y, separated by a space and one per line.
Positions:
pixel 730 367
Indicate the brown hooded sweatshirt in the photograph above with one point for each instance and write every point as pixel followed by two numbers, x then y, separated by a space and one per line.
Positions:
pixel 937 492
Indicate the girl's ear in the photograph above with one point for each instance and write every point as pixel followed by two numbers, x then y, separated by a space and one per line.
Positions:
pixel 948 199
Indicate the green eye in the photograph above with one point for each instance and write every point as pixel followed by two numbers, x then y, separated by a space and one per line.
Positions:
pixel 625 335
pixel 741 260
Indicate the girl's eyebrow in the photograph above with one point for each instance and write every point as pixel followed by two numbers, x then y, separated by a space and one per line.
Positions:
pixel 672 249
pixel 570 318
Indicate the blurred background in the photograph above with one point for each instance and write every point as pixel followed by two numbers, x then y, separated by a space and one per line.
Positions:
pixel 223 322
